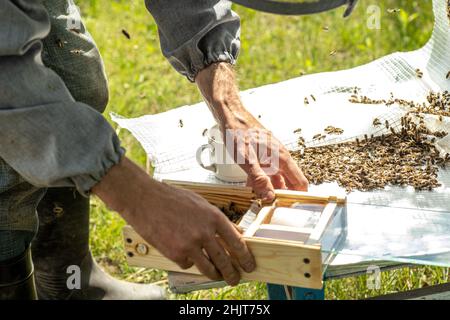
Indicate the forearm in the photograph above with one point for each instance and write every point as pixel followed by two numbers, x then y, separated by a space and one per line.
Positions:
pixel 217 83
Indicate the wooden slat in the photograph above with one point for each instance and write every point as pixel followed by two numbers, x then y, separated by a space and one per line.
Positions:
pixel 262 217
pixel 209 187
pixel 278 261
pixel 299 195
pixel 325 219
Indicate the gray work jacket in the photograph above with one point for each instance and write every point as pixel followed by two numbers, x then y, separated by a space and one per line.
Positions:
pixel 51 139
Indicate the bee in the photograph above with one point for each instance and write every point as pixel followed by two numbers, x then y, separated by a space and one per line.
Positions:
pixel 386 123
pixel 325 28
pixel 314 98
pixel 76 51
pixel 376 122
pixel 298 130
pixel 440 118
pixel 393 10
pixel 333 52
pixel 317 136
pixel 259 116
pixel 180 123
pixel 126 34
pixel 448 75
pixel 59 43
pixel 306 101
pixel 204 132
pixel 392 130
pixel 419 73
pixel 334 130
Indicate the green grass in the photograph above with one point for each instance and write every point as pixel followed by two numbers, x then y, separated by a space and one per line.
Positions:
pixel 273 49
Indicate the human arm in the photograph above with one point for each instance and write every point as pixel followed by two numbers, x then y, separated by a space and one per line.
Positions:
pixel 201 39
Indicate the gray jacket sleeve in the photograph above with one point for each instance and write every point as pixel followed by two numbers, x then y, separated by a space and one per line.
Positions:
pixel 196 33
pixel 45 135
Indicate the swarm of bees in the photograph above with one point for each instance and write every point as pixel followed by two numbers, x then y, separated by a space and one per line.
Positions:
pixel 438 103
pixel 232 212
pixel 404 157
pixel 354 98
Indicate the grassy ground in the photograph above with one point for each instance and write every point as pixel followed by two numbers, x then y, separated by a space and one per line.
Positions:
pixel 273 49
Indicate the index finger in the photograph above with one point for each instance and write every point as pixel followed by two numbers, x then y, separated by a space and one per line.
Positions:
pixel 236 245
pixel 293 176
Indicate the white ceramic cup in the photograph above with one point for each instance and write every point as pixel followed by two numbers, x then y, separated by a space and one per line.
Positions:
pixel 220 161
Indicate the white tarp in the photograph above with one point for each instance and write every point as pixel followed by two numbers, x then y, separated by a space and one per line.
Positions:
pixel 395 224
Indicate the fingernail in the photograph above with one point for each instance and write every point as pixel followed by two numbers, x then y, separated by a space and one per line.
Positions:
pixel 249 267
pixel 270 195
pixel 234 281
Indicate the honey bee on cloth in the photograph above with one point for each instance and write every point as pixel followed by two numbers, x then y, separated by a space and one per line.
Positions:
pixel 333 130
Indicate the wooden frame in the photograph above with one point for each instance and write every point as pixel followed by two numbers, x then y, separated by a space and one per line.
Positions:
pixel 294 263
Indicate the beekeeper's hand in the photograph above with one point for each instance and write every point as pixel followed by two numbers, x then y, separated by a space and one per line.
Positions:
pixel 183 226
pixel 266 161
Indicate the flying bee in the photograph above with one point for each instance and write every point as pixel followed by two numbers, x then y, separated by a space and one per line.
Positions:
pixel 448 75
pixel 333 52
pixel 126 34
pixel 180 123
pixel 386 123
pixel 393 10
pixel 204 132
pixel 306 101
pixel 298 130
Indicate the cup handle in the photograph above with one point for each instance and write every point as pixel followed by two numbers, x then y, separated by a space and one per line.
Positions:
pixel 212 167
